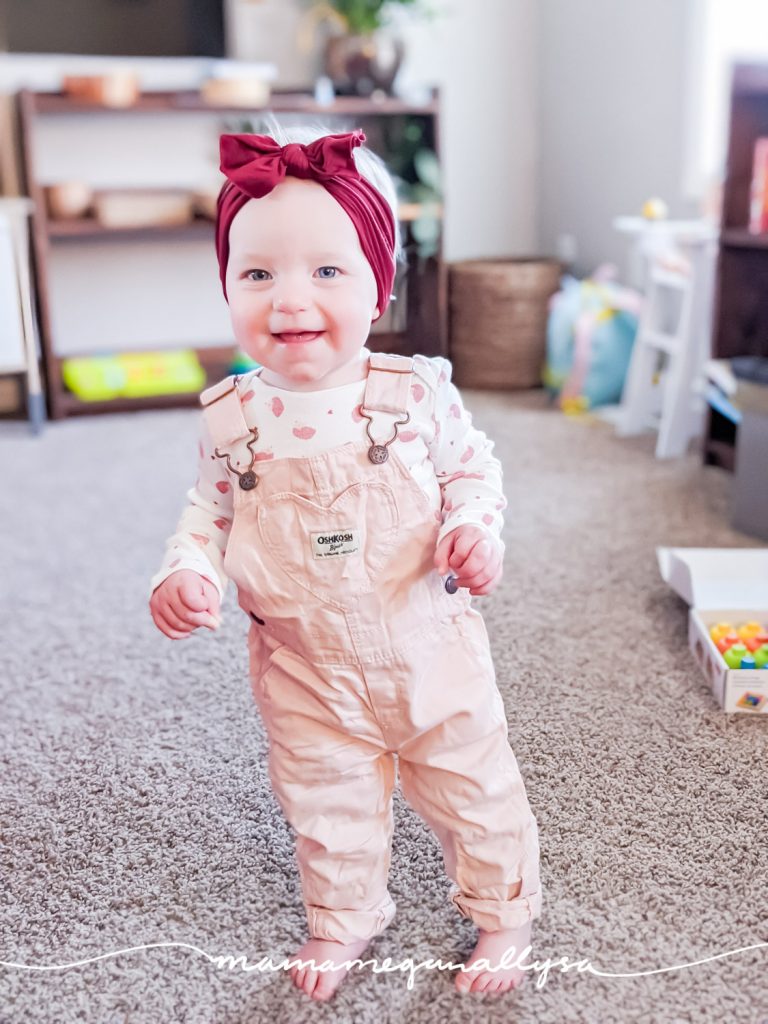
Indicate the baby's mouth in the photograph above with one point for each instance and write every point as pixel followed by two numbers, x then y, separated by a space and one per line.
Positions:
pixel 294 337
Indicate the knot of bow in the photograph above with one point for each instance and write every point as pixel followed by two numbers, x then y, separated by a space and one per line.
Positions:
pixel 256 163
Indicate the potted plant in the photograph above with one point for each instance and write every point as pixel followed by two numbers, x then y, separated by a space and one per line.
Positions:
pixel 363 54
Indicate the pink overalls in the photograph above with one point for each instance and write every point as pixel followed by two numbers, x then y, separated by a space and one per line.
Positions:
pixel 358 653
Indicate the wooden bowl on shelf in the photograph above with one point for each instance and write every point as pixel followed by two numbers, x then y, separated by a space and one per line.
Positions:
pixel 116 89
pixel 138 208
pixel 247 91
pixel 68 200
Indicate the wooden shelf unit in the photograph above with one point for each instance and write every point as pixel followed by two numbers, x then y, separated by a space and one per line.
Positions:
pixel 424 283
pixel 741 288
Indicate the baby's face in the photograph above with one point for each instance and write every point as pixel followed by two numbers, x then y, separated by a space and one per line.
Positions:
pixel 302 295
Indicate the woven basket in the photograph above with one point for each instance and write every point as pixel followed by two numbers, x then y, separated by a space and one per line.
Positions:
pixel 499 313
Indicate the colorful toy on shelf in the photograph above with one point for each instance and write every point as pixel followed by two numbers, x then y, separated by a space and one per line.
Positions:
pixel 133 375
pixel 761 656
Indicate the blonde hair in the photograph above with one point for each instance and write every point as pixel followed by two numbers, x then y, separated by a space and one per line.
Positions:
pixel 368 163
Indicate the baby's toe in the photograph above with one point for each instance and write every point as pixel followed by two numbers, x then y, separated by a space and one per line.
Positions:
pixel 463 981
pixel 325 988
pixel 482 981
pixel 310 983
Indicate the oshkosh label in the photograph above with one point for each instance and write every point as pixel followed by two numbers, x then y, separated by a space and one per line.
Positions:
pixel 336 542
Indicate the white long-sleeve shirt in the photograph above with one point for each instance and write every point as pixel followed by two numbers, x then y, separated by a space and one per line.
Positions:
pixel 451 460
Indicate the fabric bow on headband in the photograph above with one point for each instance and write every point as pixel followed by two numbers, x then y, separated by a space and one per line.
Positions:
pixel 255 164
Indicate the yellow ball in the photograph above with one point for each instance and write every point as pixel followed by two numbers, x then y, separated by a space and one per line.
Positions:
pixel 655 209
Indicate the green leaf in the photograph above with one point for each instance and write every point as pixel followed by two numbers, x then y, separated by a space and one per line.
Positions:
pixel 428 168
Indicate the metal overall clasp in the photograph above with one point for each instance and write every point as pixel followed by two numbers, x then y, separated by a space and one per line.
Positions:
pixel 247 479
pixel 378 453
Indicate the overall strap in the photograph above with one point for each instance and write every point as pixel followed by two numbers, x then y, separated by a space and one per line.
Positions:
pixel 388 383
pixel 223 412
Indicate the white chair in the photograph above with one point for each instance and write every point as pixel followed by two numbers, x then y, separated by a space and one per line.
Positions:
pixel 672 344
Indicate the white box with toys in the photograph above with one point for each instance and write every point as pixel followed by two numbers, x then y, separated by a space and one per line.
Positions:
pixel 727 590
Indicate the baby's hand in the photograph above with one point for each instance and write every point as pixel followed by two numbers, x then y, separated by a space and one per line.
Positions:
pixel 473 556
pixel 184 601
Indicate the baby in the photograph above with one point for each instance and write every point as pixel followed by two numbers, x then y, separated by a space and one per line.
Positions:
pixel 337 487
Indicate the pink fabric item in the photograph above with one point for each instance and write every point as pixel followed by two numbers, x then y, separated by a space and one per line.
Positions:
pixel 358 653
pixel 254 164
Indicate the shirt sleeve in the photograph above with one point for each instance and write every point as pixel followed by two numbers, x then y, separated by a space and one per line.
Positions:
pixel 200 539
pixel 469 474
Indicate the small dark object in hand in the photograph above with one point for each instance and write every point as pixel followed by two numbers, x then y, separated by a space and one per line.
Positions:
pixel 451 585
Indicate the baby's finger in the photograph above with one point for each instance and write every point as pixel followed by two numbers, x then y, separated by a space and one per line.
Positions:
pixel 474 560
pixel 191 620
pixel 180 617
pixel 485 571
pixel 204 618
pixel 443 554
pixel 486 588
pixel 191 594
pixel 212 597
pixel 165 627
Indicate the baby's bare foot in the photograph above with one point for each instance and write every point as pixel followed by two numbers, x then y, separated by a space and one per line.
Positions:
pixel 322 984
pixel 492 946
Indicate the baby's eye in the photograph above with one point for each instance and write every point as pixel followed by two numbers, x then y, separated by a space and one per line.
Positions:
pixel 262 275
pixel 328 277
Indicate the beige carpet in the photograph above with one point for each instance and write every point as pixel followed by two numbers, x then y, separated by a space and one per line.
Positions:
pixel 135 803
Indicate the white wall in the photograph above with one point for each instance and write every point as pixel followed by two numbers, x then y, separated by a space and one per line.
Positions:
pixel 612 118
pixel 483 57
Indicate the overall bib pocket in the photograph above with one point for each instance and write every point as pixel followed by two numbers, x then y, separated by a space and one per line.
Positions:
pixel 332 551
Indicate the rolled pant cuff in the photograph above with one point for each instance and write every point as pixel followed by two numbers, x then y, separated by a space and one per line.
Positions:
pixel 349 925
pixel 497 915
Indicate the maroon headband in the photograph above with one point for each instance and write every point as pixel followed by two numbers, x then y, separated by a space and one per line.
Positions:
pixel 254 164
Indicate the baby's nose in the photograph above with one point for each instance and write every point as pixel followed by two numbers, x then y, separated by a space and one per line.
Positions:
pixel 290 304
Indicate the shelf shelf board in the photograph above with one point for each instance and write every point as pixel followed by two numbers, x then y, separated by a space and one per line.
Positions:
pixel 202 227
pixel 148 102
pixel 741 238
pixel 71 405
pixel 89 227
